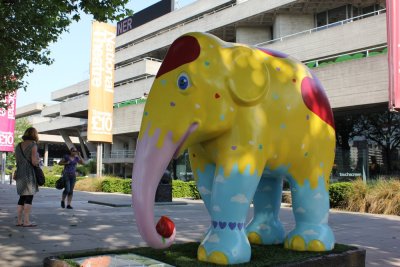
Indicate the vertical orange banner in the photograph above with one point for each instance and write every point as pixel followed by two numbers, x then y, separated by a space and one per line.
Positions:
pixel 393 42
pixel 101 86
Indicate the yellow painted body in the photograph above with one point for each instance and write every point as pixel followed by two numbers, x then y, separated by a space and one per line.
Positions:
pixel 249 117
pixel 249 109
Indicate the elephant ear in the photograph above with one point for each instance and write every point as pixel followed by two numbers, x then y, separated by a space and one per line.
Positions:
pixel 249 76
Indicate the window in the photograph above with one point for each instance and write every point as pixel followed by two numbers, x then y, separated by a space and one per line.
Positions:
pixel 337 14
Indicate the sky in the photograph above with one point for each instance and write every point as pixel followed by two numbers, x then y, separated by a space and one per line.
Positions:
pixel 72 55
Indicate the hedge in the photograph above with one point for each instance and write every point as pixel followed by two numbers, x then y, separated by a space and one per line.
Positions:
pixel 51 180
pixel 184 189
pixel 338 194
pixel 113 185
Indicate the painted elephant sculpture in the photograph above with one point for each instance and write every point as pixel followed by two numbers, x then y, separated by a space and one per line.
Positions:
pixel 250 117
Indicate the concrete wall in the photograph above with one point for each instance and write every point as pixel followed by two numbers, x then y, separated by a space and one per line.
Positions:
pixel 169 19
pixel 286 24
pixel 132 90
pixel 48 138
pixel 29 109
pixel 252 35
pixel 51 110
pixel 352 36
pixel 140 68
pixel 73 90
pixel 127 119
pixel 356 82
pixel 60 123
pixel 75 105
pixel 207 23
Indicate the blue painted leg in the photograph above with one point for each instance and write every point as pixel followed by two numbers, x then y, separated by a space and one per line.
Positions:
pixel 204 185
pixel 311 211
pixel 266 228
pixel 227 242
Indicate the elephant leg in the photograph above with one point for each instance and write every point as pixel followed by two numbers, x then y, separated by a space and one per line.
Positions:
pixel 204 185
pixel 311 212
pixel 204 178
pixel 227 242
pixel 266 228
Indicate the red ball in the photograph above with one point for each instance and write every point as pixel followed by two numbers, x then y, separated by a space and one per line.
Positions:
pixel 165 227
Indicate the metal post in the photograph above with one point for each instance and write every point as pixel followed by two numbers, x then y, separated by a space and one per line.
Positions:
pixel 3 167
pixel 99 169
pixel 46 154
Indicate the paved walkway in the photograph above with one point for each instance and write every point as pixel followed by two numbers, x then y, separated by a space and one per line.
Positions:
pixel 91 226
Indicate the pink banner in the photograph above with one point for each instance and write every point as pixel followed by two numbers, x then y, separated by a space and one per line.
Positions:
pixel 7 123
pixel 393 42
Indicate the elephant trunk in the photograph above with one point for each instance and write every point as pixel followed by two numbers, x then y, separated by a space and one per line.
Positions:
pixel 150 164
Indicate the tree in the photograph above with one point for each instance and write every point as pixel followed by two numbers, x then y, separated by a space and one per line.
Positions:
pixel 383 129
pixel 28 27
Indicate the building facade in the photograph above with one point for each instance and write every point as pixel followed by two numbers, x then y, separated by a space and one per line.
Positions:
pixel 343 42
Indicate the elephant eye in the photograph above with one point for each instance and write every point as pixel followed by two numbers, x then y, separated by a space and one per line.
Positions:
pixel 183 81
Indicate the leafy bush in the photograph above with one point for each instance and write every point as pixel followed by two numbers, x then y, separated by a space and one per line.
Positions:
pixel 53 170
pixel 338 194
pixel 184 189
pixel 91 165
pixel 83 170
pixel 114 184
pixel 51 180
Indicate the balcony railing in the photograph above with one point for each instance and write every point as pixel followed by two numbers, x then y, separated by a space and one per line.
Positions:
pixel 374 51
pixel 115 154
pixel 280 39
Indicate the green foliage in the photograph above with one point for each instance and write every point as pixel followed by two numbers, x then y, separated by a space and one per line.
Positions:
pixel 184 189
pixel 91 166
pixel 338 194
pixel 51 180
pixel 54 170
pixel 114 184
pixel 83 170
pixel 28 27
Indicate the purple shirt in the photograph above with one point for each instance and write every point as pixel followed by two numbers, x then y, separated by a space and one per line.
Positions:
pixel 70 168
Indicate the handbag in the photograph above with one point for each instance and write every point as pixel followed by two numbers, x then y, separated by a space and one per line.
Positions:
pixel 40 179
pixel 60 184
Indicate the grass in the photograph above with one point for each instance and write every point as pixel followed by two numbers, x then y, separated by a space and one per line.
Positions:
pixel 89 184
pixel 379 197
pixel 186 255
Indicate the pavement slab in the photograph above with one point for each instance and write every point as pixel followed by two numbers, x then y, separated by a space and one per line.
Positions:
pixel 91 226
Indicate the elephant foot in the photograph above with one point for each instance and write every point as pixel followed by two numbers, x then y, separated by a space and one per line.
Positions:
pixel 265 233
pixel 310 237
pixel 225 246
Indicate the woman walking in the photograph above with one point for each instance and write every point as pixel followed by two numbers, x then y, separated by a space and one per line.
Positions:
pixel 70 161
pixel 26 152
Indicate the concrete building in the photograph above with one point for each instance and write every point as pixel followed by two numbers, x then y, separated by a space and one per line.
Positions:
pixel 344 42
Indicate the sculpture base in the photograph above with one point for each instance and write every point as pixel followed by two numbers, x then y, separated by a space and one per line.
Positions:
pixel 186 255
